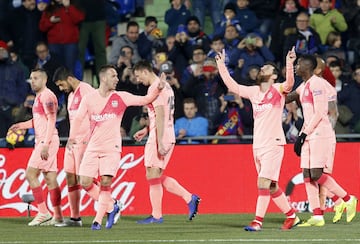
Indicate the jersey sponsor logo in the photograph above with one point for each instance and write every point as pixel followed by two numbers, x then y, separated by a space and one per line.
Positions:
pixel 103 117
pixel 262 107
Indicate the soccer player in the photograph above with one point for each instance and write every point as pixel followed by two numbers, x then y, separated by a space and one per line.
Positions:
pixel 44 156
pixel 267 99
pixel 159 147
pixel 76 89
pixel 316 140
pixel 333 114
pixel 104 109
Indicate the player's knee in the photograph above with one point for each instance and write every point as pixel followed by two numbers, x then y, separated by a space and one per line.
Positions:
pixel 274 187
pixel 306 173
pixel 264 183
pixel 86 182
pixel 316 174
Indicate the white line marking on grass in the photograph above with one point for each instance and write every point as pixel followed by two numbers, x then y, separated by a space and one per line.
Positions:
pixel 189 241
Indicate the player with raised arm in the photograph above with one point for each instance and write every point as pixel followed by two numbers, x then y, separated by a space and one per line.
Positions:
pixel 267 99
pixel 104 109
pixel 44 156
pixel 159 148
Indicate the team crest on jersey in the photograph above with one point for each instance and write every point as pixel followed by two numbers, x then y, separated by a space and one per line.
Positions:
pixel 114 104
pixel 269 95
pixel 76 100
pixel 306 93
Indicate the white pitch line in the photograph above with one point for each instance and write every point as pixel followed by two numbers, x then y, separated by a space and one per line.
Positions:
pixel 189 241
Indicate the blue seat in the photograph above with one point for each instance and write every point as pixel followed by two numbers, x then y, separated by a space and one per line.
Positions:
pixel 127 7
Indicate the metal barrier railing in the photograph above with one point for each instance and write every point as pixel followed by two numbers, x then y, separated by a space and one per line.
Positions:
pixel 245 139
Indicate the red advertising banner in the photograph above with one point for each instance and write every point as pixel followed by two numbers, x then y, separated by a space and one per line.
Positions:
pixel 223 176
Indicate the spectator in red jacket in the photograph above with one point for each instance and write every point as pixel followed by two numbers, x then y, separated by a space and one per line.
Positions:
pixel 60 21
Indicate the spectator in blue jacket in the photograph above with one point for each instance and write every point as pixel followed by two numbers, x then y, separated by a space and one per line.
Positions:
pixel 175 16
pixel 251 51
pixel 13 88
pixel 191 124
pixel 150 38
pixel 247 18
pixel 228 18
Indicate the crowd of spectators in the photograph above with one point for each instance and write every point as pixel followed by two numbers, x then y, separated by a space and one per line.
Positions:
pixel 54 33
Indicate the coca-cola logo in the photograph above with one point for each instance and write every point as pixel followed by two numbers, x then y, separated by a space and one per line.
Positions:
pixel 13 185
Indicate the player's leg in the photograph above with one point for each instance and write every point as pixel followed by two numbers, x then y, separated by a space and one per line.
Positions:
pixel 173 186
pixel 262 204
pixel 88 171
pixel 153 176
pixel 55 196
pixel 312 191
pixel 105 203
pixel 279 198
pixel 108 166
pixel 323 192
pixel 153 164
pixel 72 162
pixel 263 198
pixel 321 155
pixel 350 201
pixel 339 206
pixel 43 215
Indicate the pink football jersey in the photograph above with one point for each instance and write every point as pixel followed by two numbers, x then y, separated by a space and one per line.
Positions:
pixel 74 100
pixel 314 100
pixel 45 103
pixel 166 99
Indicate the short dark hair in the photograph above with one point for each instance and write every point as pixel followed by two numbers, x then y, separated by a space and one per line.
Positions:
pixel 143 65
pixel 41 70
pixel 311 59
pixel 132 23
pixel 217 38
pixel 150 19
pixel 189 100
pixel 105 68
pixel 62 73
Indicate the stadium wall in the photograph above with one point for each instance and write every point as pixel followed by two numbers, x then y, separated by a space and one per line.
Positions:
pixel 223 176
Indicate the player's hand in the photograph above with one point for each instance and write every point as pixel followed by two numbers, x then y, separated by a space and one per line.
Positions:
pixel 162 150
pixel 15 127
pixel 299 143
pixel 220 57
pixel 70 144
pixel 138 136
pixel 44 154
pixel 291 56
pixel 182 133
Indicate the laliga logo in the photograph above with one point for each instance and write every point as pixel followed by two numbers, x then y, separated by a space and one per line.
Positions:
pixel 15 185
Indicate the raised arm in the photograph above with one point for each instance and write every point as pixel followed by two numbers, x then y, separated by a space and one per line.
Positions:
pixel 153 92
pixel 224 73
pixel 289 82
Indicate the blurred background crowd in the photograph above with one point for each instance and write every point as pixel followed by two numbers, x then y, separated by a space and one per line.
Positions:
pixel 181 39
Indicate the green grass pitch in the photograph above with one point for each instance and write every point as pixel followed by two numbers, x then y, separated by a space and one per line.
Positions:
pixel 208 228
